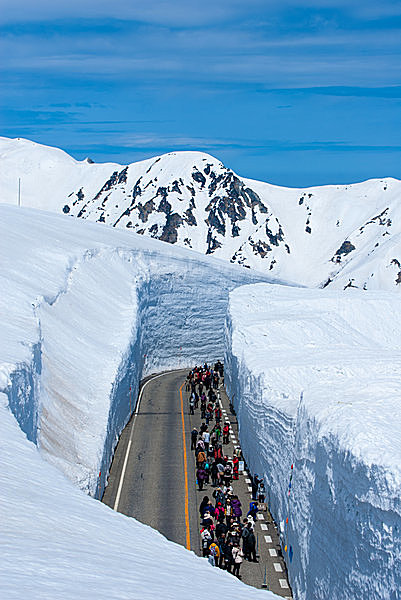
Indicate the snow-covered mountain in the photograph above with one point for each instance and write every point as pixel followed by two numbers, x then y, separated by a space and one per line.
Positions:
pixel 331 235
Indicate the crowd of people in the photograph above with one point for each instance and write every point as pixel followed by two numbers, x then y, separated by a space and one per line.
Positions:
pixel 227 536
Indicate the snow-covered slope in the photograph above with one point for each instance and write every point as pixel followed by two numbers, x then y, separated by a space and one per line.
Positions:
pixel 85 311
pixel 343 234
pixel 316 385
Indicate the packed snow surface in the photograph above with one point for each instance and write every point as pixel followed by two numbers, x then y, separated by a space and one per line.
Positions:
pixel 335 235
pixel 316 381
pixel 86 311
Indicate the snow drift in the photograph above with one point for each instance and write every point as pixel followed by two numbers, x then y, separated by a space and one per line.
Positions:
pixel 86 311
pixel 316 378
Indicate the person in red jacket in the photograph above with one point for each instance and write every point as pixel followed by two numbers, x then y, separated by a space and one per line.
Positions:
pixel 226 433
pixel 235 467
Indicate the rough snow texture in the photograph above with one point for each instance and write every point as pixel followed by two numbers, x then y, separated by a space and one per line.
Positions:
pixel 337 236
pixel 86 311
pixel 316 379
pixel 58 543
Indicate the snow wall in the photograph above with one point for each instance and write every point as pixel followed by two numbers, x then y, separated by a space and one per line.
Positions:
pixel 88 311
pixel 315 378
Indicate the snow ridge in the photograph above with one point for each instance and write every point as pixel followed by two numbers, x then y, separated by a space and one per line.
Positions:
pixel 338 236
pixel 316 385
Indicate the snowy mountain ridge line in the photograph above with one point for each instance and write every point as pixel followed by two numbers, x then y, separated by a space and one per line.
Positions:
pixel 336 236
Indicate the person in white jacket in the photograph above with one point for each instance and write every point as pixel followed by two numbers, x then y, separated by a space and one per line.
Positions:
pixel 238 557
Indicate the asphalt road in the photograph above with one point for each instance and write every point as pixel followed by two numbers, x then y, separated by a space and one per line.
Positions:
pixel 155 481
pixel 153 489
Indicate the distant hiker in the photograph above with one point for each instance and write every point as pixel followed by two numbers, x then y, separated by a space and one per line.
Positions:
pixel 191 405
pixel 194 438
pixel 253 510
pixel 237 555
pixel 201 459
pixel 255 484
pixel 213 473
pixel 236 506
pixel 249 543
pixel 235 467
pixel 226 433
pixel 261 492
pixel 207 539
pixel 206 439
pixel 214 554
pixel 201 476
pixel 203 505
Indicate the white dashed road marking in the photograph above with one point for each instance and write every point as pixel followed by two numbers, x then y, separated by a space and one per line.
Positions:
pixel 273 552
pixel 283 583
pixel 277 567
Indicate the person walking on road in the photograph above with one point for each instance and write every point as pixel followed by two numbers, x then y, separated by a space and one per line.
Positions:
pixel 201 476
pixel 194 438
pixel 237 555
pixel 255 485
pixel 226 433
pixel 207 539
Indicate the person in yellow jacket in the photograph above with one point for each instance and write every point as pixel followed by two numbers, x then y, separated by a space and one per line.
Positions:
pixel 214 554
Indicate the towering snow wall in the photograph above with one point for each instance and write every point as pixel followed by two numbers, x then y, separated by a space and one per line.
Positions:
pixel 81 306
pixel 87 311
pixel 316 379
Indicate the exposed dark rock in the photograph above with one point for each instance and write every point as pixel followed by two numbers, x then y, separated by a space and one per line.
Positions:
pixel 396 262
pixel 260 248
pixel 206 170
pixel 255 200
pixel 145 210
pixel 215 221
pixel 66 209
pixel 122 176
pixel 199 178
pixel 301 200
pixel 175 187
pixel 169 234
pixel 350 284
pixel 345 248
pixel 153 164
pixel 187 242
pixel 189 217
pixel 212 243
pixel 308 229
pixel 398 280
pixel 235 230
pixel 163 192
pixel 111 182
pixel 101 219
pixel 287 248
pixel 274 238
pixel 80 196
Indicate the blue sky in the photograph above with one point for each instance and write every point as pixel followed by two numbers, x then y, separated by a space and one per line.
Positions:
pixel 295 93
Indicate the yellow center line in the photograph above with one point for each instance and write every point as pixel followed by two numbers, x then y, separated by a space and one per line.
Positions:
pixel 188 538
